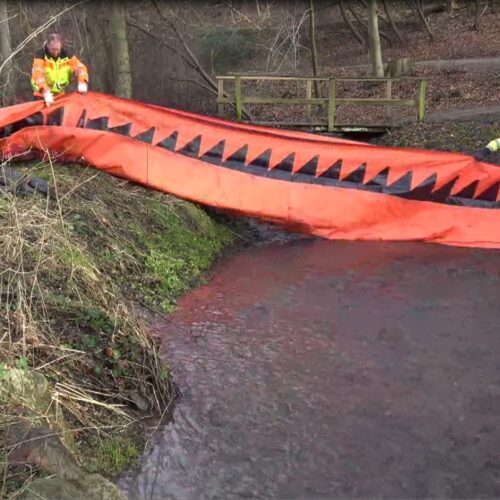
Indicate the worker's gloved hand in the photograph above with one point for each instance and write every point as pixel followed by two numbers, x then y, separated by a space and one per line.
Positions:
pixel 482 154
pixel 83 88
pixel 48 98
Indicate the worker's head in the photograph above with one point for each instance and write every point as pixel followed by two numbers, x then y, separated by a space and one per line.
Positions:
pixel 54 44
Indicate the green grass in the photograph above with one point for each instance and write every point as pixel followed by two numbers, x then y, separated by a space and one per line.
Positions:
pixel 180 251
pixel 112 455
pixel 86 257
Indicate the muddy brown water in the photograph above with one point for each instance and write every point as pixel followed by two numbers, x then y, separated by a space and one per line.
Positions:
pixel 334 370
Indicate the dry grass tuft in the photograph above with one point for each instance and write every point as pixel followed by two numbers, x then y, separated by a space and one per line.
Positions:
pixel 72 270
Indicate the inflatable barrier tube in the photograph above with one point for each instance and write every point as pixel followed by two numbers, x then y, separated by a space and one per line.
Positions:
pixel 329 187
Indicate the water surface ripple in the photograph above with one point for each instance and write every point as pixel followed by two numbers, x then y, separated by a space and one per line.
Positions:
pixel 333 370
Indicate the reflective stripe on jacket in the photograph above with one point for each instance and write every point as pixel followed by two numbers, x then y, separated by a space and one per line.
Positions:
pixel 55 74
pixel 494 145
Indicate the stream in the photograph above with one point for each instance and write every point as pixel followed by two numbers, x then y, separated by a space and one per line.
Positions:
pixel 322 369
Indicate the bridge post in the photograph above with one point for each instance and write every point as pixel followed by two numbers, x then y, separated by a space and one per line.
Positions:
pixel 220 96
pixel 421 100
pixel 309 96
pixel 237 96
pixel 331 104
pixel 388 95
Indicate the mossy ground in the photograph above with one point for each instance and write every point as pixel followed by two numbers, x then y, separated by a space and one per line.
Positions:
pixel 80 273
pixel 112 455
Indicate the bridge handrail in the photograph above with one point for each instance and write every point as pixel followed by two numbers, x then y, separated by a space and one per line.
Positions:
pixel 238 99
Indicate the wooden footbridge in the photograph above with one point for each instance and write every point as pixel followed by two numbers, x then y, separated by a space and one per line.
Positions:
pixel 238 91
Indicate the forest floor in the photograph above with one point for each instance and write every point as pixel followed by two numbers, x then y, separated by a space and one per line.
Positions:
pixel 461 66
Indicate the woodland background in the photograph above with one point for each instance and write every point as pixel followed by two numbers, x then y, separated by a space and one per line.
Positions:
pixel 168 52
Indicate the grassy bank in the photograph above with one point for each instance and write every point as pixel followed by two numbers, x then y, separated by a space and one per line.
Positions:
pixel 81 271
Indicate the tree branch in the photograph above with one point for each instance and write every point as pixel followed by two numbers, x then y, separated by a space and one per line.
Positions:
pixel 195 63
pixel 176 51
pixel 415 4
pixel 163 42
pixel 38 30
pixel 354 30
pixel 388 13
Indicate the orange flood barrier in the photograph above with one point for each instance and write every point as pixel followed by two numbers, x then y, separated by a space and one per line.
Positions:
pixel 330 187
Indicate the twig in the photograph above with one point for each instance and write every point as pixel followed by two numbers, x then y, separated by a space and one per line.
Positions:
pixel 194 63
pixel 246 18
pixel 391 20
pixel 9 18
pixel 37 31
pixel 350 24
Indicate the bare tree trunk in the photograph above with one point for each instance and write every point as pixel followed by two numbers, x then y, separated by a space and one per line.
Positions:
pixel 385 36
pixel 97 46
pixel 119 50
pixel 314 51
pixel 374 37
pixel 7 76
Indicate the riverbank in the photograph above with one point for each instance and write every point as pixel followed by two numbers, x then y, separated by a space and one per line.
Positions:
pixel 82 273
pixel 462 135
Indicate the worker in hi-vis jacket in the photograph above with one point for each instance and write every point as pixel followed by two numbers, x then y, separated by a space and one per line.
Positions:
pixel 52 69
pixel 492 147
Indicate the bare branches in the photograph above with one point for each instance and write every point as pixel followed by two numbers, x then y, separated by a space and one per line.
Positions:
pixel 286 43
pixel 365 24
pixel 392 23
pixel 350 24
pixel 39 30
pixel 417 6
pixel 190 57
pixel 161 41
pixel 174 49
pixel 243 16
pixel 196 64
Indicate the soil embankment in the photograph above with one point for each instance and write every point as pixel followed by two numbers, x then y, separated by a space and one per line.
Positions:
pixel 83 270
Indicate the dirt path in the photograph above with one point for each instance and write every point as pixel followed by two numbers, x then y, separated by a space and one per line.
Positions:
pixel 456 114
pixel 464 114
pixel 481 64
pixel 476 63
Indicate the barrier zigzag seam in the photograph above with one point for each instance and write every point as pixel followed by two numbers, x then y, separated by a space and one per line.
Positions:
pixel 283 170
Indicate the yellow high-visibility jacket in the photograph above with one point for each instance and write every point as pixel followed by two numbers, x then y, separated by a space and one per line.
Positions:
pixel 55 74
pixel 493 145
